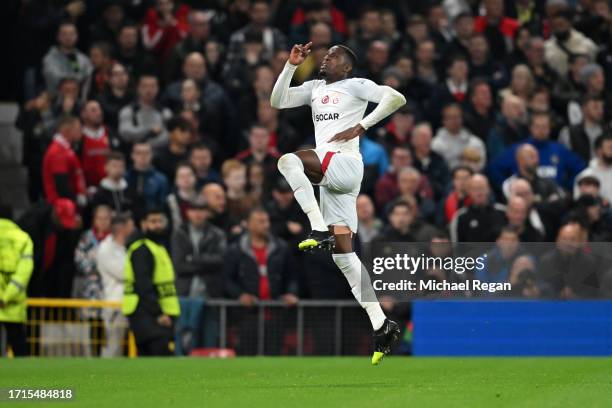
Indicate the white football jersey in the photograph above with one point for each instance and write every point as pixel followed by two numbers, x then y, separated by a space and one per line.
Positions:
pixel 337 107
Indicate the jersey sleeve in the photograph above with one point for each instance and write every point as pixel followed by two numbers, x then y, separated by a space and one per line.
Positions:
pixel 284 96
pixel 366 89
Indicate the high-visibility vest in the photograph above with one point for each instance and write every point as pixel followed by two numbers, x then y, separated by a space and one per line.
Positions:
pixel 16 265
pixel 163 280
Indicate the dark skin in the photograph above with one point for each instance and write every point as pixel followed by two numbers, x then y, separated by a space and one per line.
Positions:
pixel 336 66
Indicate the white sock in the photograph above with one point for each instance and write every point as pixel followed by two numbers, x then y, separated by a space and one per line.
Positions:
pixel 361 286
pixel 292 168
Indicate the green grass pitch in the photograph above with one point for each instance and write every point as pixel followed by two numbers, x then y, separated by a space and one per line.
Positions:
pixel 317 382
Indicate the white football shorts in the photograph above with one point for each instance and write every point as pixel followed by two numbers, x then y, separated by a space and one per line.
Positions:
pixel 339 188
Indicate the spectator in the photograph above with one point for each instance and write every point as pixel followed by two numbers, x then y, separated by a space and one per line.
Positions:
pixel 543 217
pixel 369 225
pixel 148 185
pixel 61 171
pixel 405 225
pixel 198 34
pixel 601 166
pixel 452 138
pixel 184 192
pixel 54 232
pixel 259 267
pixel 543 73
pixel 589 185
pixel 398 130
pixel 130 54
pixel 545 189
pixel 287 220
pixel 498 262
pixel 149 274
pixel 67 99
pixel 522 83
pixel 408 180
pixel 35 121
pixel 164 26
pixel 387 187
pixel 498 29
pixel 482 220
pixel 426 69
pixel 283 134
pixel 239 201
pixel 259 151
pixel 110 263
pixel 453 90
pixel 143 120
pixel 589 211
pixel 463 24
pixel 566 41
pixel 376 59
pixel 510 126
pixel 458 197
pixel 200 158
pixel 480 111
pixel 581 138
pixel 107 29
pixel 483 63
pixel 65 60
pixel 115 95
pixel 218 111
pixel 428 162
pixel 215 198
pixel 568 271
pixel 198 250
pixel 517 213
pixel 167 157
pixel 100 56
pixel 369 28
pixel 87 283
pixel 113 190
pixel 259 16
pixel 96 143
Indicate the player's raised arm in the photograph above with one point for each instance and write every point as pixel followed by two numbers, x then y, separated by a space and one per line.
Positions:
pixel 387 98
pixel 282 95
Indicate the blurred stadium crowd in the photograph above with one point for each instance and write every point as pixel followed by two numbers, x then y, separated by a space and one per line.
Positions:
pixel 133 105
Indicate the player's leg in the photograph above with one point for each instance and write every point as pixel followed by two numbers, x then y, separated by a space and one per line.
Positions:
pixel 301 169
pixel 386 332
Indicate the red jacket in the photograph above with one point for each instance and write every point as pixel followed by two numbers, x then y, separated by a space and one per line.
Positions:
pixel 163 39
pixel 94 150
pixel 507 26
pixel 61 171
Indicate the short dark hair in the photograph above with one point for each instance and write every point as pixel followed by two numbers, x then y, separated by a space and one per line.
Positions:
pixel 154 211
pixel 257 209
pixel 352 57
pixel 602 139
pixel 66 120
pixel 459 168
pixel 118 156
pixel 200 146
pixel 178 122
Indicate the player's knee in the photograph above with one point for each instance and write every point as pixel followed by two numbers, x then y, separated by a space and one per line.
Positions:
pixel 288 162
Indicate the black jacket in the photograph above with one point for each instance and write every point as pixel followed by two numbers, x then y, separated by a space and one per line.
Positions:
pixel 241 272
pixel 206 262
pixel 478 224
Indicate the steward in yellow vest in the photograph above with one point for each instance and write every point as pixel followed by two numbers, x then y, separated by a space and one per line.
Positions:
pixel 149 299
pixel 16 265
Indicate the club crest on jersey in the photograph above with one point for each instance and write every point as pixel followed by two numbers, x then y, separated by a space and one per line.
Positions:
pixel 325 99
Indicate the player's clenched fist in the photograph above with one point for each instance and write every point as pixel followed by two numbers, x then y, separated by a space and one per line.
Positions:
pixel 299 53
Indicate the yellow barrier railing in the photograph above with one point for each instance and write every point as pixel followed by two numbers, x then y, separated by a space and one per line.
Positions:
pixel 78 327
